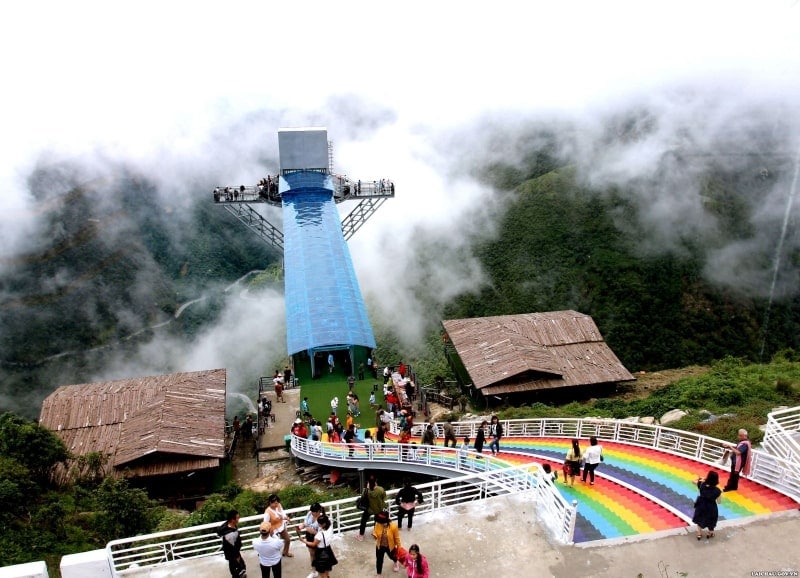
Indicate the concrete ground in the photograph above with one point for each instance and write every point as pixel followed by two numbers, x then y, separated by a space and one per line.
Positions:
pixel 500 538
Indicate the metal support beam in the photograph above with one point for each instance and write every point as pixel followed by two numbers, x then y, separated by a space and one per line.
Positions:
pixel 359 215
pixel 256 223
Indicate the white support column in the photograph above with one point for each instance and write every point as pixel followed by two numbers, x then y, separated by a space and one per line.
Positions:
pixel 93 563
pixel 29 570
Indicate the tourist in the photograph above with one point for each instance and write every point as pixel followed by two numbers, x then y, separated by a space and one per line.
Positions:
pixel 495 432
pixel 322 540
pixel 572 463
pixel 350 439
pixel 380 437
pixel 480 437
pixel 232 545
pixel 549 474
pixel 277 519
pixel 463 452
pixel 706 512
pixel 449 433
pixel 376 502
pixel 591 459
pixel 416 563
pixel 268 547
pixel 406 500
pixel 277 382
pixel 309 528
pixel 740 456
pixel 428 436
pixel 287 376
pixel 387 541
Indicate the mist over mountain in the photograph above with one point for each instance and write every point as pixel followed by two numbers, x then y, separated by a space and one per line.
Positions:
pixel 106 270
pixel 670 218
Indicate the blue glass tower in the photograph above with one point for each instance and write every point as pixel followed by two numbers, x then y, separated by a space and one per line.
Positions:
pixel 324 308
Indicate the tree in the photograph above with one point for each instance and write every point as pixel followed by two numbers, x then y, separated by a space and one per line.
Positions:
pixel 32 445
pixel 17 490
pixel 122 511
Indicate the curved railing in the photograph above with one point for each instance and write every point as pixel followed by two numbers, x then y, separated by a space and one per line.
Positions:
pixel 131 556
pixel 778 472
pixel 438 460
pixel 480 477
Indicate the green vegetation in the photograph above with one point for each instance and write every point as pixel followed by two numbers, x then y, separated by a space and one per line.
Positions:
pixel 741 394
pixel 105 267
pixel 563 246
pixel 112 258
pixel 44 522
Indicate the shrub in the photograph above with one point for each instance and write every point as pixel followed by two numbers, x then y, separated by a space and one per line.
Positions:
pixel 785 388
pixel 295 496
pixel 214 509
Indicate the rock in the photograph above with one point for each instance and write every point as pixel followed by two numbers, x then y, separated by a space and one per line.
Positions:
pixel 632 419
pixel 672 415
pixel 649 420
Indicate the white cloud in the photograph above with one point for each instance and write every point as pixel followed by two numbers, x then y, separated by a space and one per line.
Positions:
pixel 161 84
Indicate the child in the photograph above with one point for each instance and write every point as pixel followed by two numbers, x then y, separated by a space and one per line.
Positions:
pixel 413 453
pixel 549 474
pixel 372 400
pixel 462 453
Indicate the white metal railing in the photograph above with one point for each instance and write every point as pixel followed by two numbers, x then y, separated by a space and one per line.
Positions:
pixel 450 459
pixel 781 435
pixel 560 514
pixel 483 477
pixel 778 470
pixel 130 555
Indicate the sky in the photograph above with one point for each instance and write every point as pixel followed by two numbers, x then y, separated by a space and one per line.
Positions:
pixel 177 88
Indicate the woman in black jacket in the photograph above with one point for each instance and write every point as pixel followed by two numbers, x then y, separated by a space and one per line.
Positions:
pixel 480 438
pixel 496 432
pixel 407 499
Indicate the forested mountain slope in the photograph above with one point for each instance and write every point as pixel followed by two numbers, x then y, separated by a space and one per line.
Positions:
pixel 110 260
pixel 563 245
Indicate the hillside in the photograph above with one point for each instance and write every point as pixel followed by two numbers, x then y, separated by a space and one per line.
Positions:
pixel 563 246
pixel 674 264
pixel 111 260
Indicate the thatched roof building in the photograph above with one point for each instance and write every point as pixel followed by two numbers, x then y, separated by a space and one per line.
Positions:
pixel 161 425
pixel 533 351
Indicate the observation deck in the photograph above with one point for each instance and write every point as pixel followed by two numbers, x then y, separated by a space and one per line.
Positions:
pixel 268 191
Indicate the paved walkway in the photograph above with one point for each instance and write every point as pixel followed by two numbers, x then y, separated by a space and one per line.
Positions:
pixel 285 414
pixel 500 537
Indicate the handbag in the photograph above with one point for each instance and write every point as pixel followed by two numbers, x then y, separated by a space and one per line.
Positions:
pixel 324 555
pixel 362 503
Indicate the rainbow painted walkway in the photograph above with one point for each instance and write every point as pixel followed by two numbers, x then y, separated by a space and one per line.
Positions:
pixel 640 490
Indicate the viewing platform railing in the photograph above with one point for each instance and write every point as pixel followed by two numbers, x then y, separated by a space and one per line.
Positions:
pixel 343 189
pixel 483 477
pixel 780 472
pixel 128 556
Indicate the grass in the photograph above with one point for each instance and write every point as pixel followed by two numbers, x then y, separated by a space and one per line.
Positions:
pixel 320 392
